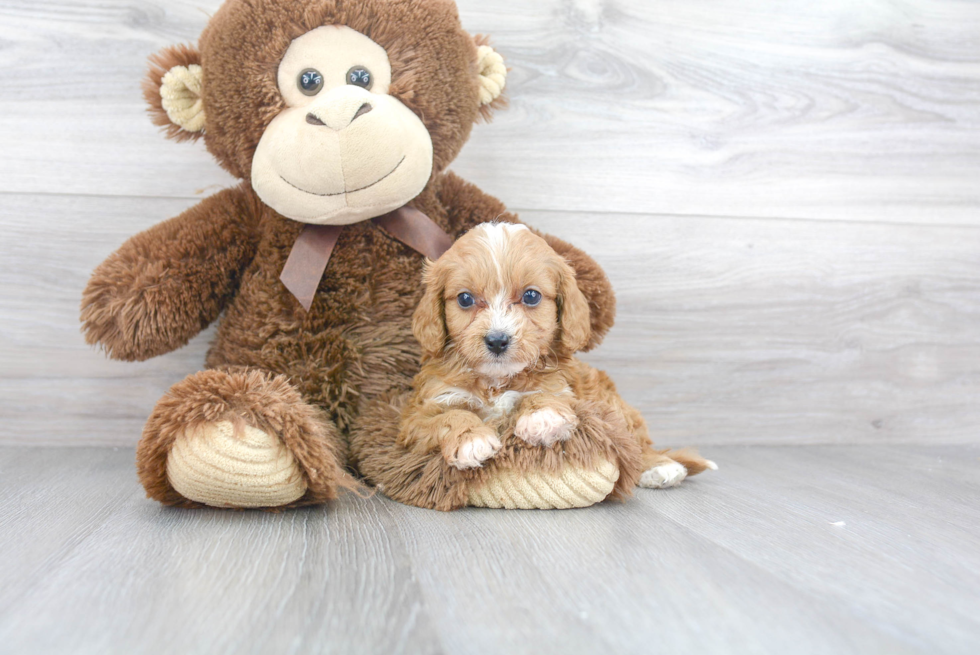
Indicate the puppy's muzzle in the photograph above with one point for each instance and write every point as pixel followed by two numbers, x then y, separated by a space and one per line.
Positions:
pixel 497 342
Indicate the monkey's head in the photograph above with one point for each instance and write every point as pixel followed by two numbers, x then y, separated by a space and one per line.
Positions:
pixel 336 110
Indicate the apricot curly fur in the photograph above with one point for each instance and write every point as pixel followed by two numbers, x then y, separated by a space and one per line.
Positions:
pixel 424 480
pixel 455 396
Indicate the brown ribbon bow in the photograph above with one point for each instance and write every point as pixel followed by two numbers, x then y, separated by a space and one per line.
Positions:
pixel 311 253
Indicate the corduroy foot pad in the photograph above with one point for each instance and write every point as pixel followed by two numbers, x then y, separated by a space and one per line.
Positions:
pixel 572 487
pixel 216 467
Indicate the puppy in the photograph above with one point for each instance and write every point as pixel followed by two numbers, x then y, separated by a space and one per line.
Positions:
pixel 499 324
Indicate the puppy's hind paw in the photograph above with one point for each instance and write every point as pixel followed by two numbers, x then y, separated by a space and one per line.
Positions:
pixel 545 427
pixel 476 447
pixel 663 476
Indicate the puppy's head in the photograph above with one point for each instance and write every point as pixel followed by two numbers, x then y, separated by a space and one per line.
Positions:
pixel 499 299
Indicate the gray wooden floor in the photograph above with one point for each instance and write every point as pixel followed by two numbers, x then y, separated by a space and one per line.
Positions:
pixel 807 549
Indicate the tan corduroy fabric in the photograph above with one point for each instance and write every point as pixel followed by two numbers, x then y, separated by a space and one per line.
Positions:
pixel 573 487
pixel 220 468
pixel 180 93
pixel 493 74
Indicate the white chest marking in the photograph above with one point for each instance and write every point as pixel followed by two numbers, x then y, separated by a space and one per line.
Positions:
pixel 497 406
pixel 502 405
pixel 455 397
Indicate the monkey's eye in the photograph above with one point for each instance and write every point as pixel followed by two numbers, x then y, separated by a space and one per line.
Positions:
pixel 360 76
pixel 465 300
pixel 531 297
pixel 310 82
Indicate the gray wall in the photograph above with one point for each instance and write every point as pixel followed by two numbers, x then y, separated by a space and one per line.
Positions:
pixel 785 194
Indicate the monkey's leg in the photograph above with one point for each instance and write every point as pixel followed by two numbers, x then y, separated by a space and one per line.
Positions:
pixel 239 438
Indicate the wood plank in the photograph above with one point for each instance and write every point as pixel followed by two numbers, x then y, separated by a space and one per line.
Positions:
pixel 760 331
pixel 53 387
pixel 729 331
pixel 52 500
pixel 140 578
pixel 743 560
pixel 834 110
pixel 908 539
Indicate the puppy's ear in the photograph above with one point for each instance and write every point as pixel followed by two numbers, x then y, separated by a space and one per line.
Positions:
pixel 429 320
pixel 573 313
pixel 173 88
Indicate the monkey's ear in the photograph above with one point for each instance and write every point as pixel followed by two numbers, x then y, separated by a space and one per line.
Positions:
pixel 173 89
pixel 493 77
pixel 429 320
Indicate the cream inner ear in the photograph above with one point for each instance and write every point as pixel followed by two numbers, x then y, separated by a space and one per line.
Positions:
pixel 341 153
pixel 493 74
pixel 180 94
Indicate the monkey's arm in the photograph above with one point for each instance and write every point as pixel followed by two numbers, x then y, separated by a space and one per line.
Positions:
pixel 166 284
pixel 468 206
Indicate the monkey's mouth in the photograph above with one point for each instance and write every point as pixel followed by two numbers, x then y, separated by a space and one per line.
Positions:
pixel 345 191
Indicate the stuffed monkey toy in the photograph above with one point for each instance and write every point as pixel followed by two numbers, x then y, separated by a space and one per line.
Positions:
pixel 340 118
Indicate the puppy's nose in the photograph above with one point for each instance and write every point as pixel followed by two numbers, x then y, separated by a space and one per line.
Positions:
pixel 497 342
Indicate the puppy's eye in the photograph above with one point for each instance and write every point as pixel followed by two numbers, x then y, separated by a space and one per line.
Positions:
pixel 310 82
pixel 531 297
pixel 465 300
pixel 359 76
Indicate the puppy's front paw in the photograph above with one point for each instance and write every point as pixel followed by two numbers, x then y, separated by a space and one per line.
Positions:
pixel 476 446
pixel 546 426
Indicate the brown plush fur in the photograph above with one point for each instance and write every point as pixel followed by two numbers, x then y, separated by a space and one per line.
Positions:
pixel 225 255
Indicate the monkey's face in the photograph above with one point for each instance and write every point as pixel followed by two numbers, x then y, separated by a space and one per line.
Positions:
pixel 342 150
pixel 336 112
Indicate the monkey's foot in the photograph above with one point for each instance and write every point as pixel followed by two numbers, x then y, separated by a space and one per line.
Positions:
pixel 239 438
pixel 573 486
pixel 217 465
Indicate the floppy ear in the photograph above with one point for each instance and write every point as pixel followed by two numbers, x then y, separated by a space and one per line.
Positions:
pixel 173 89
pixel 429 320
pixel 573 313
pixel 493 77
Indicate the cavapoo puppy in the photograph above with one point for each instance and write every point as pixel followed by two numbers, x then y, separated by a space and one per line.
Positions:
pixel 499 324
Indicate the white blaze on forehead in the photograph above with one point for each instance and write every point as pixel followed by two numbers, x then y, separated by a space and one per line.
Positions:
pixel 496 238
pixel 496 235
pixel 503 317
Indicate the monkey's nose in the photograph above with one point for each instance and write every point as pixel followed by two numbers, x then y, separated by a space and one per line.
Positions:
pixel 363 109
pixel 313 119
pixel 497 342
